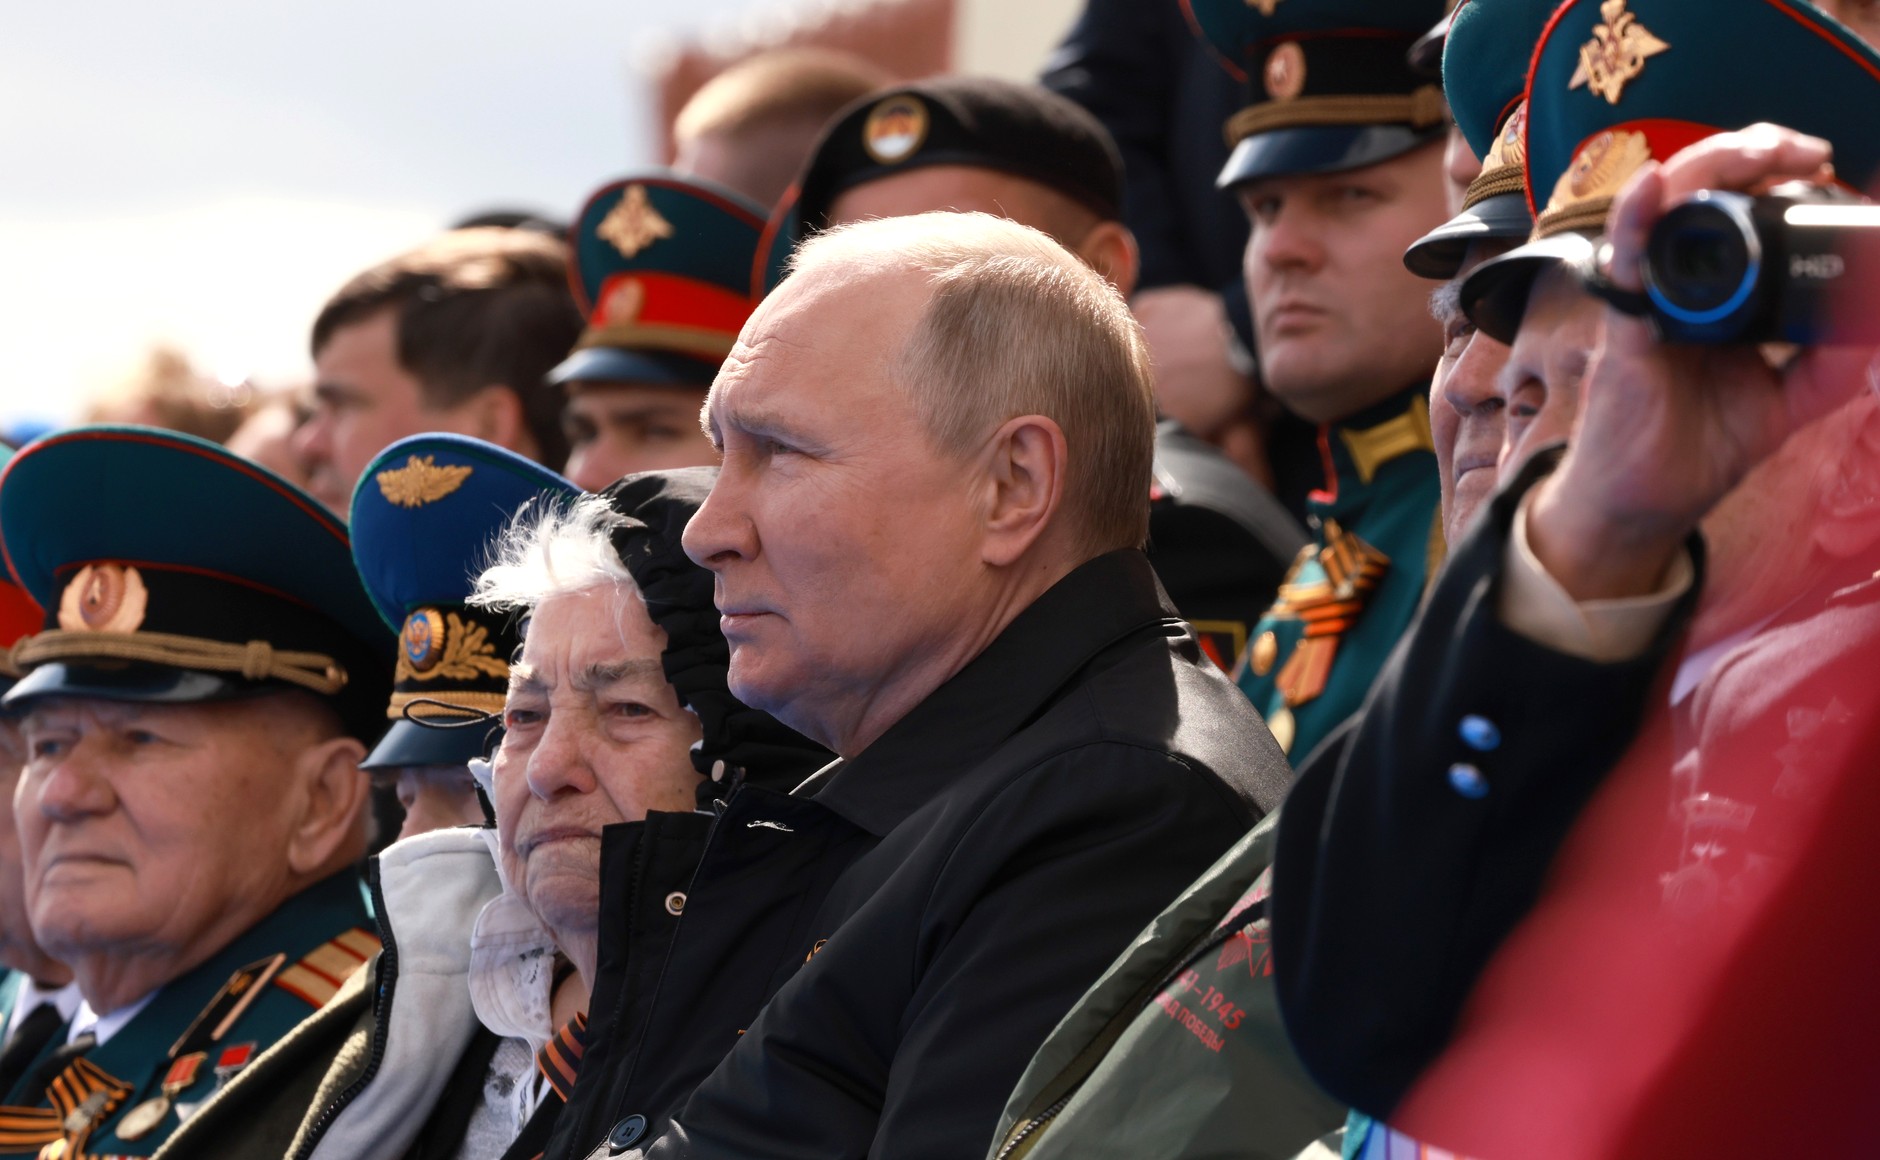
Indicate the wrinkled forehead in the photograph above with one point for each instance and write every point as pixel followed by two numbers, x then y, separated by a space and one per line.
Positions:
pixel 822 326
pixel 601 623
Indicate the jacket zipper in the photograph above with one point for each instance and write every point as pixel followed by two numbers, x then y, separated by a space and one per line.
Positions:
pixel 719 807
pixel 1035 1124
pixel 381 1012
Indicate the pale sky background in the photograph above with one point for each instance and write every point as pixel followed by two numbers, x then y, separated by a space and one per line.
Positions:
pixel 207 171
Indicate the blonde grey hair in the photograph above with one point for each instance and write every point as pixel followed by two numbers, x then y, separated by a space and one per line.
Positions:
pixel 1016 325
pixel 552 549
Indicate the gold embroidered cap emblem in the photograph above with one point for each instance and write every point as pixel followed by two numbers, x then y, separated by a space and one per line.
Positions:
pixel 446 646
pixel 420 481
pixel 423 639
pixel 1285 74
pixel 633 224
pixel 104 598
pixel 1600 167
pixel 1510 147
pixel 1264 7
pixel 895 130
pixel 1617 53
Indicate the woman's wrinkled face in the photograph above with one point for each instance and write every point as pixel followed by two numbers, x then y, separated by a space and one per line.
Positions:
pixel 593 735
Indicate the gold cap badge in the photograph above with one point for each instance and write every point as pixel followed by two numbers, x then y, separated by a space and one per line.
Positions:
pixel 1264 7
pixel 1617 53
pixel 621 303
pixel 895 130
pixel 423 639
pixel 1286 72
pixel 1585 191
pixel 420 481
pixel 633 224
pixel 104 598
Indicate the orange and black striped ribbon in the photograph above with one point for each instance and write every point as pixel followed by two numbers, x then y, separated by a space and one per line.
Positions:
pixel 22 1129
pixel 560 1057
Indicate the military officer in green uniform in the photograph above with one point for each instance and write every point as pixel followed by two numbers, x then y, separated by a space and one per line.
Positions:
pixel 1338 161
pixel 661 265
pixel 191 810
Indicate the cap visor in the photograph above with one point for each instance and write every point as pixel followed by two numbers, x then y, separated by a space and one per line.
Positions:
pixel 1426 55
pixel 612 364
pixel 131 681
pixel 1320 149
pixel 1440 253
pixel 409 743
pixel 1495 294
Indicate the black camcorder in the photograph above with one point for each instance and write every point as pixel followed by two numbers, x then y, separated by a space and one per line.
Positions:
pixel 1732 268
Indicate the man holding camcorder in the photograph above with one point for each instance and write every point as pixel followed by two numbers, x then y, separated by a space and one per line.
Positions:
pixel 1681 930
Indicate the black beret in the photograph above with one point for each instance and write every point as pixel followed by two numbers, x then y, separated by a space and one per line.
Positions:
pixel 1021 129
pixel 739 743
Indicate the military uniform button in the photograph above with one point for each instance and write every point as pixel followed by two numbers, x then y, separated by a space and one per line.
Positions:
pixel 1468 781
pixel 1479 733
pixel 675 902
pixel 626 1134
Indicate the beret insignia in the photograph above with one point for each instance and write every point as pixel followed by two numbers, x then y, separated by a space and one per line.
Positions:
pixel 1265 7
pixel 633 224
pixel 420 481
pixel 895 130
pixel 104 598
pixel 1616 54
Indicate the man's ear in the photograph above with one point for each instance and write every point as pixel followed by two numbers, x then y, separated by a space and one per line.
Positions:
pixel 331 830
pixel 1110 249
pixel 1027 459
pixel 494 415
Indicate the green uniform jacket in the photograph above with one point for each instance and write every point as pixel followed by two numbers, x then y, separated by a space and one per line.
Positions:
pixel 1312 657
pixel 1177 1051
pixel 321 935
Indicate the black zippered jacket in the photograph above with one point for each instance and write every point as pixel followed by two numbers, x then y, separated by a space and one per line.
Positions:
pixel 864 967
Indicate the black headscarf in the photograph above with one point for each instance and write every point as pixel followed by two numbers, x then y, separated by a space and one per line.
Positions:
pixel 740 743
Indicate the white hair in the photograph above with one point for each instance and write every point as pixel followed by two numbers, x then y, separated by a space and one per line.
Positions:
pixel 552 549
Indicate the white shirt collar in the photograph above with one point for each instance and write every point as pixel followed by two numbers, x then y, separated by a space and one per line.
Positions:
pixel 65 1000
pixel 105 1026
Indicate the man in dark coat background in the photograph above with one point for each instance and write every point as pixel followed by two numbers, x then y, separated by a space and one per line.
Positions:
pixel 927 538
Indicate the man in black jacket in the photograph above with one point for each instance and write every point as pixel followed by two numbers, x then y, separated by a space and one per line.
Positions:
pixel 926 536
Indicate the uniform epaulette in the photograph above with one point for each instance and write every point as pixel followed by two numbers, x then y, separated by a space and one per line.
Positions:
pixel 319 976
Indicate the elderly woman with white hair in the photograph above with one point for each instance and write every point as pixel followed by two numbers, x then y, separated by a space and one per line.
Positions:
pixel 617 709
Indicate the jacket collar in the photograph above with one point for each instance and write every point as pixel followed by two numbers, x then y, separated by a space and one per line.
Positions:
pixel 1355 449
pixel 996 694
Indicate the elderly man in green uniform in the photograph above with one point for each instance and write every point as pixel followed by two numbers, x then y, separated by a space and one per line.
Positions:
pixel 37 994
pixel 1338 162
pixel 662 267
pixel 191 809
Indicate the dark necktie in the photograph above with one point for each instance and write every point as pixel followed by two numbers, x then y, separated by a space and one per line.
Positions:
pixel 32 1092
pixel 26 1042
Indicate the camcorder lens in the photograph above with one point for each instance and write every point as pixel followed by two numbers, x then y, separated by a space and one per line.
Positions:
pixel 1700 258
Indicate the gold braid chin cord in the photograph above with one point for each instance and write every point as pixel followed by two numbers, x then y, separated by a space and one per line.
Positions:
pixel 1420 110
pixel 257 660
